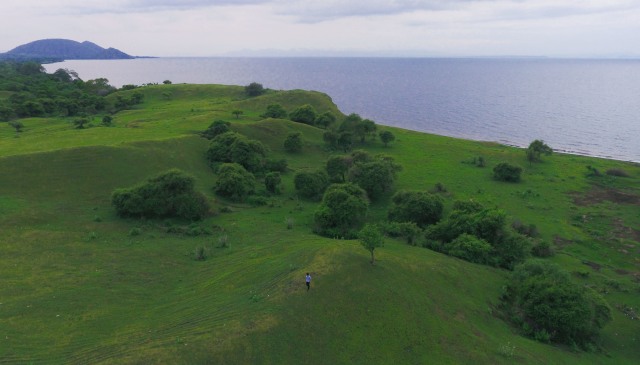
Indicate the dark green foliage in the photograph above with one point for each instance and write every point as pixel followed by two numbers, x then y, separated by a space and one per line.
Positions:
pixel 386 137
pixel 276 165
pixel 408 230
pixel 233 147
pixel 528 230
pixel 167 82
pixel 80 122
pixel 337 168
pixel 234 182
pixel 325 119
pixel 593 171
pixel 349 122
pixel 216 128
pixel 237 113
pixel 419 207
pixel 311 185
pixel 170 194
pixel 254 89
pixel 370 238
pixel 508 248
pixel 107 121
pixel 542 249
pixel 617 172
pixel 331 137
pixel 470 248
pixel 17 125
pixel 342 211
pixel 536 149
pixel 272 182
pixel 345 141
pixel 375 177
pixel 275 111
pixel 544 302
pixel 293 142
pixel 506 172
pixel 304 114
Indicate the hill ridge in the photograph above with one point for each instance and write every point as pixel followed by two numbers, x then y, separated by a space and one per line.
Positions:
pixel 66 49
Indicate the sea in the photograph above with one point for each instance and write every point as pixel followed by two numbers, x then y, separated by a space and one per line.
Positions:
pixel 578 106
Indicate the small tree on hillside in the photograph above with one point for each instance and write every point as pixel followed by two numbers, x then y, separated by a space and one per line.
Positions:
pixel 311 185
pixel 325 119
pixel 375 177
pixel 293 142
pixel 80 122
pixel 386 137
pixel 536 149
pixel 272 182
pixel 237 113
pixel 275 111
pixel 371 238
pixel 342 211
pixel 337 168
pixel 17 125
pixel 419 207
pixel 107 121
pixel 216 128
pixel 304 114
pixel 234 182
pixel 254 89
pixel 506 172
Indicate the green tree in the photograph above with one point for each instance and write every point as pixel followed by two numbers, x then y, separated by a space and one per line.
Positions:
pixel 536 149
pixel 107 121
pixel 386 137
pixel 216 128
pixel 234 182
pixel 272 182
pixel 371 238
pixel 342 211
pixel 337 168
pixel 311 185
pixel 506 172
pixel 419 207
pixel 330 137
pixel 275 111
pixel 325 119
pixel 254 89
pixel 304 114
pixel 364 128
pixel 293 142
pixel 17 125
pixel 237 113
pixel 375 177
pixel 345 141
pixel 80 122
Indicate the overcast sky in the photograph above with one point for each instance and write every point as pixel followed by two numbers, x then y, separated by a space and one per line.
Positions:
pixel 556 28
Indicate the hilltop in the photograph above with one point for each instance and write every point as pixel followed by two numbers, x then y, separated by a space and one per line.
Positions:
pixel 63 49
pixel 84 285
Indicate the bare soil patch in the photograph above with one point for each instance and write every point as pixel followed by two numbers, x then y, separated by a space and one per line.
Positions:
pixel 600 194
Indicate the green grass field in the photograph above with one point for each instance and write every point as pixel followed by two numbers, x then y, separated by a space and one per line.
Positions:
pixel 83 286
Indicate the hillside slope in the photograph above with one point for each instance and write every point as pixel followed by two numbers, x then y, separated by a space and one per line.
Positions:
pixel 64 49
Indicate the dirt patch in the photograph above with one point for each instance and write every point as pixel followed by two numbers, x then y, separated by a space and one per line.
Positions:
pixel 621 272
pixel 599 194
pixel 561 242
pixel 622 231
pixel 592 265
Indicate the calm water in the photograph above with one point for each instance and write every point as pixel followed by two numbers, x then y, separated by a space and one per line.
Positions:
pixel 589 107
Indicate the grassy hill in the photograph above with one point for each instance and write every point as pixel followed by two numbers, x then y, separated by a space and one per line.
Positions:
pixel 81 285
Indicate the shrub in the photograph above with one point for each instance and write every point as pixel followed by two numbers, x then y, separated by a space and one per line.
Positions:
pixel 234 182
pixel 593 171
pixel 311 185
pixel 304 114
pixel 542 249
pixel 548 306
pixel 216 128
pixel 386 137
pixel 470 248
pixel 289 222
pixel 276 165
pixel 200 253
pixel 418 207
pixel 536 149
pixel 506 172
pixel 233 147
pixel 107 121
pixel 325 119
pixel 342 211
pixel 275 111
pixel 617 172
pixel 170 194
pixel 293 142
pixel 272 182
pixel 375 177
pixel 254 89
pixel 337 168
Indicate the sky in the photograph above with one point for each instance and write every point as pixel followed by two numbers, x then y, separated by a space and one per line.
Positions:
pixel 416 28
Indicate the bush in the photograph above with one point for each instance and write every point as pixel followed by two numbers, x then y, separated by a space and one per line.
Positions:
pixel 325 119
pixel 418 207
pixel 311 185
pixel 304 114
pixel 375 177
pixel 276 165
pixel 254 89
pixel 234 182
pixel 386 137
pixel 617 172
pixel 293 142
pixel 548 306
pixel 536 149
pixel 470 248
pixel 542 249
pixel 275 111
pixel 233 147
pixel 506 172
pixel 342 211
pixel 216 128
pixel 170 194
pixel 272 182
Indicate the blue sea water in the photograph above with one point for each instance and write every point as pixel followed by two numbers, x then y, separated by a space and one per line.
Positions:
pixel 589 107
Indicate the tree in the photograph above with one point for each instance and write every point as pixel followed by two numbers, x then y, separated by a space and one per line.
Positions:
pixel 345 141
pixel 419 207
pixel 536 149
pixel 546 304
pixel 216 128
pixel 80 122
pixel 234 147
pixel 254 89
pixel 364 128
pixel 337 168
pixel 275 111
pixel 237 113
pixel 234 182
pixel 17 125
pixel 386 137
pixel 342 211
pixel 170 194
pixel 293 142
pixel 330 137
pixel 167 82
pixel 506 172
pixel 304 114
pixel 311 185
pixel 375 177
pixel 325 119
pixel 107 120
pixel 272 182
pixel 371 238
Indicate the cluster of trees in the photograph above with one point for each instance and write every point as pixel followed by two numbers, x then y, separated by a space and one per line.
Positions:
pixel 547 305
pixel 511 173
pixel 170 194
pixel 354 129
pixel 34 93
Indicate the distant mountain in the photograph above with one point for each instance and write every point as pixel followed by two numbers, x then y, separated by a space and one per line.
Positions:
pixel 64 49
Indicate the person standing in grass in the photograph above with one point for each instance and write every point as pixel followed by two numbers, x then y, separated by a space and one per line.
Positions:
pixel 307 280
